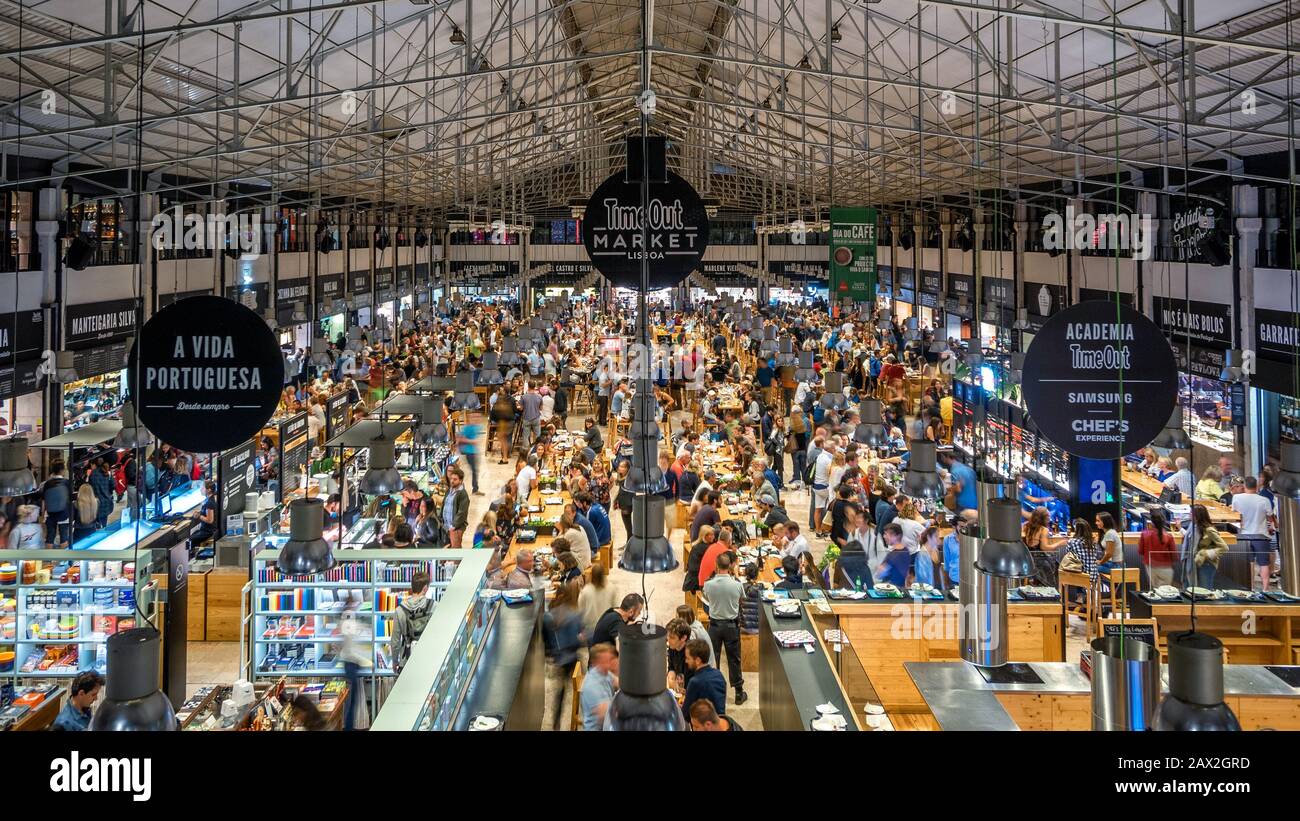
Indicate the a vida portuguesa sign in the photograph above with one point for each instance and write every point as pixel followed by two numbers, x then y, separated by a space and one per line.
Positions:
pixel 209 374
pixel 671 234
pixel 1099 385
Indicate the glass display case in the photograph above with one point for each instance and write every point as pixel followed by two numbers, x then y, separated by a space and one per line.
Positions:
pixel 58 608
pixel 1208 412
pixel 452 680
pixel 296 620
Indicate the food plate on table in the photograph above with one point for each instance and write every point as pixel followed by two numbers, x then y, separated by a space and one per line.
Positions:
pixel 1243 595
pixel 1282 596
pixel 1202 593
pixel 517 595
pixel 846 594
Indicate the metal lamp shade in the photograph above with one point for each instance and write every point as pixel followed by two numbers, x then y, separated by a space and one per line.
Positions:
pixel 1002 552
pixel 1125 684
pixel 1022 320
pixel 65 367
pixel 320 356
pixel 432 430
pixel 833 397
pixel 992 315
pixel 1287 481
pixel 306 553
pixel 805 373
pixel 490 373
pixel 1173 436
pixel 643 702
pixel 381 475
pixel 871 429
pixel 756 332
pixel 648 550
pixel 510 352
pixel 770 343
pixel 1195 698
pixel 938 346
pixel 465 398
pixel 1232 370
pixel 786 354
pixel 16 477
pixel 133 435
pixel 132 700
pixel 354 340
pixel 1016 368
pixel 886 321
pixel 922 479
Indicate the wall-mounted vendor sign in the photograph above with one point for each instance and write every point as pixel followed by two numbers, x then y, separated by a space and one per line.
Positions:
pixel 670 235
pixel 359 282
pixel 1102 387
pixel 210 374
pixel 932 282
pixel 98 323
pixel 853 254
pixel 1042 300
pixel 1205 323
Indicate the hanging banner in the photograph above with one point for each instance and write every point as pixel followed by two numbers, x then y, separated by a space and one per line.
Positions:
pixel 853 254
pixel 672 236
pixel 1101 388
pixel 210 374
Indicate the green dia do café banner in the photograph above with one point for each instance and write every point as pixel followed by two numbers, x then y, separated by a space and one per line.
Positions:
pixel 853 255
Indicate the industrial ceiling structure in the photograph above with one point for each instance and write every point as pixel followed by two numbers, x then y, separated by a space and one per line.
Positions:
pixel 776 108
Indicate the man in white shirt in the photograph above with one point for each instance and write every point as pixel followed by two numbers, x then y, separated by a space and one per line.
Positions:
pixel 525 478
pixel 1256 516
pixel 1182 480
pixel 821 482
pixel 912 530
pixel 800 393
pixel 548 405
pixel 795 542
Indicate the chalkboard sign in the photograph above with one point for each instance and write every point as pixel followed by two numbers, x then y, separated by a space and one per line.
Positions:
pixel 295 451
pixel 1237 398
pixel 1140 629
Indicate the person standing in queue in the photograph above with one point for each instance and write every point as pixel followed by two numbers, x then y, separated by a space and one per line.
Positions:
pixel 723 593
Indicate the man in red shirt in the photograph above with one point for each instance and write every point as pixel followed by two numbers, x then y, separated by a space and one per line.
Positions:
pixel 892 370
pixel 709 562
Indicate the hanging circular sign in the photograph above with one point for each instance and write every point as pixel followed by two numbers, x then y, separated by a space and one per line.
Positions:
pixel 1100 384
pixel 209 374
pixel 678 231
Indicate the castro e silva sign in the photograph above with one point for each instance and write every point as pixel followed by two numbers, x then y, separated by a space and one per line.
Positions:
pixel 1100 380
pixel 670 235
pixel 210 374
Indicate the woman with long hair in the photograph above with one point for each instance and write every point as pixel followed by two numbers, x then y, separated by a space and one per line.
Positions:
pixel 562 633
pixel 86 510
pixel 1083 546
pixel 1156 547
pixel 1035 531
pixel 1210 547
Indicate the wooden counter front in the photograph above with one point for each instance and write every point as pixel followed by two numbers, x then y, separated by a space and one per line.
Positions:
pixel 1251 632
pixel 885 637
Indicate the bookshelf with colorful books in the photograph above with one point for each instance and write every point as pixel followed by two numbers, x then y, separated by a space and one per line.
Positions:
pixel 295 627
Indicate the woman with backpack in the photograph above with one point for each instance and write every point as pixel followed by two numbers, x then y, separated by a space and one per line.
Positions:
pixel 799 433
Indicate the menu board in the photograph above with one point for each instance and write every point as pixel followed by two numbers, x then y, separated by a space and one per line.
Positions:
pixel 295 451
pixel 337 409
pixel 96 361
pixel 236 476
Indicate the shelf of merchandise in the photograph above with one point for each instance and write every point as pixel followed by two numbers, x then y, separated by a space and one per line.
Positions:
pixel 443 660
pixel 30 611
pixel 374 578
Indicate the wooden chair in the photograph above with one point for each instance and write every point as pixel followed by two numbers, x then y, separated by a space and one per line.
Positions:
pixel 582 399
pixel 1069 579
pixel 1120 578
pixel 575 681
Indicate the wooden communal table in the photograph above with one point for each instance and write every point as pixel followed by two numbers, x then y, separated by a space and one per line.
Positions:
pixel 1251 632
pixel 888 633
pixel 1150 486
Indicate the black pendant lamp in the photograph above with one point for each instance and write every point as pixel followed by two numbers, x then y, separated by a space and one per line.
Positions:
pixel 1195 698
pixel 871 427
pixel 643 702
pixel 833 397
pixel 432 431
pixel 465 398
pixel 1002 552
pixel 490 373
pixel 132 700
pixel 647 549
pixel 1173 436
pixel 805 372
pixel 1287 481
pixel 381 475
pixel 306 553
pixel 133 435
pixel 922 479
pixel 786 355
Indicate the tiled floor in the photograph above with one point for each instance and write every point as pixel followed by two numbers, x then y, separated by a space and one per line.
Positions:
pixel 218 662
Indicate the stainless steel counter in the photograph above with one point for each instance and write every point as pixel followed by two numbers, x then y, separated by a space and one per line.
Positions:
pixel 794 681
pixel 961 699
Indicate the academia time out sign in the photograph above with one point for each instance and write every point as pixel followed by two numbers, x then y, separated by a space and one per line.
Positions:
pixel 671 234
pixel 210 373
pixel 1097 384
pixel 853 254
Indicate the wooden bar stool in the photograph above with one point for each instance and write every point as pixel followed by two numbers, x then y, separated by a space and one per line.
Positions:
pixel 1069 579
pixel 1120 578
